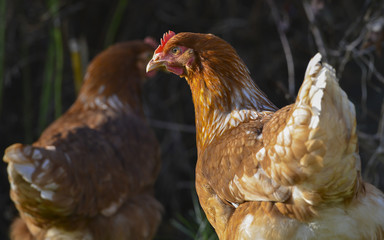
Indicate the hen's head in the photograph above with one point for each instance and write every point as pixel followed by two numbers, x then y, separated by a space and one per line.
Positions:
pixel 123 60
pixel 186 53
pixel 118 67
pixel 118 71
pixel 215 72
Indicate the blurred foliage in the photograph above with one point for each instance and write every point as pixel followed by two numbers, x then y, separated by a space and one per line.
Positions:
pixel 195 225
pixel 275 38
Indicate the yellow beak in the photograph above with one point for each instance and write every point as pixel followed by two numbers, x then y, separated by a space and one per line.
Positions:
pixel 155 65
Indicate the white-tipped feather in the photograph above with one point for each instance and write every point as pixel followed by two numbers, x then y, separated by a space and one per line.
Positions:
pixel 20 164
pixel 25 170
pixel 37 154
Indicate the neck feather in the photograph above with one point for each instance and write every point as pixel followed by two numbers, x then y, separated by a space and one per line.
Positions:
pixel 223 98
pixel 115 92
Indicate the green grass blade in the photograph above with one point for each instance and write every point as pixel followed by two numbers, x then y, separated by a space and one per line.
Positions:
pixel 196 226
pixel 181 226
pixel 115 22
pixel 59 70
pixel 46 92
pixel 27 98
pixel 53 71
pixel 59 58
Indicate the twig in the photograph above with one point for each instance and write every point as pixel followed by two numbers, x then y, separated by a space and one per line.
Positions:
pixel 356 53
pixel 364 74
pixel 374 159
pixel 372 162
pixel 315 30
pixel 372 68
pixel 286 47
pixel 380 129
pixel 280 86
pixel 366 136
pixel 349 48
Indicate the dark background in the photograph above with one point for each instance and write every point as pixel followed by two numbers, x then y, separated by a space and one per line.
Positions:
pixel 36 77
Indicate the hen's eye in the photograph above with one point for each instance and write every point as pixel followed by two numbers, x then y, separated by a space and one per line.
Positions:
pixel 175 50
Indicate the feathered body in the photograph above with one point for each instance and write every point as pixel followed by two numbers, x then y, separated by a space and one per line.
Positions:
pixel 91 173
pixel 264 173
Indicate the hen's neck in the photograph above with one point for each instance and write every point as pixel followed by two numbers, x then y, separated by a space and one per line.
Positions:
pixel 224 99
pixel 118 93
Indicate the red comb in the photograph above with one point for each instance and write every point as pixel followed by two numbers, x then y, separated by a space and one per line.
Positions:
pixel 166 36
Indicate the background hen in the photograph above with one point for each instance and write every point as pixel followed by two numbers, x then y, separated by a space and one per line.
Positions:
pixel 91 173
pixel 290 174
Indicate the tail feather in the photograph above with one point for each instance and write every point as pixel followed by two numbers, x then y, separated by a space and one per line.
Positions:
pixel 35 178
pixel 321 87
pixel 319 139
pixel 33 164
pixel 18 159
pixel 332 126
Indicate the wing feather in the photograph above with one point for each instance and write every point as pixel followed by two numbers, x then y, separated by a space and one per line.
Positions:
pixel 239 174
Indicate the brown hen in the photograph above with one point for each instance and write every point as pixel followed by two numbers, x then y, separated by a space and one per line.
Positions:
pixel 264 173
pixel 91 173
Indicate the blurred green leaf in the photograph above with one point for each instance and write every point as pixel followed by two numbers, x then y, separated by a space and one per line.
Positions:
pixel 58 43
pixel 115 22
pixel 196 225
pixel 46 92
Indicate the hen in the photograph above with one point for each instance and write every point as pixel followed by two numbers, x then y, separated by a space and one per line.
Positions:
pixel 263 173
pixel 91 173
